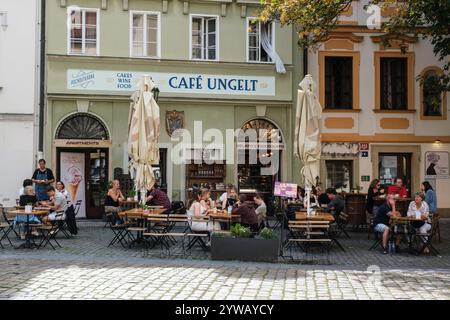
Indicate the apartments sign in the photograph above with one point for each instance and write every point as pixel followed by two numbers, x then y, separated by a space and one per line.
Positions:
pixel 125 81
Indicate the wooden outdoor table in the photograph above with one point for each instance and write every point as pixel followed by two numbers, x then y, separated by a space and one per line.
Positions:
pixel 129 204
pixel 140 211
pixel 407 223
pixel 28 236
pixel 318 216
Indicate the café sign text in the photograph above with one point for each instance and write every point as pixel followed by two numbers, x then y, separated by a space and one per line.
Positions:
pixel 124 81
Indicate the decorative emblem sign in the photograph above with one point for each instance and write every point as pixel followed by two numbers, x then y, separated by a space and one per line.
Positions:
pixel 174 121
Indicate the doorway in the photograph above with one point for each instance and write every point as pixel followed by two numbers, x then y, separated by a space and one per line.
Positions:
pixel 393 165
pixel 91 166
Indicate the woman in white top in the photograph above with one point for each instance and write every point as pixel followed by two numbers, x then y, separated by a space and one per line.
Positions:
pixel 200 207
pixel 421 207
pixel 62 188
pixel 231 198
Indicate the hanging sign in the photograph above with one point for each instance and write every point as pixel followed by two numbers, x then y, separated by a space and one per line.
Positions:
pixel 437 165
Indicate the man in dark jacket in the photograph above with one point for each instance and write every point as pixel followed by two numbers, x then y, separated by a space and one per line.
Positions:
pixel 381 222
pixel 248 214
pixel 337 203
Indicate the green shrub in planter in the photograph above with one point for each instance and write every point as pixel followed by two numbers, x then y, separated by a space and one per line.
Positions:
pixel 240 231
pixel 267 234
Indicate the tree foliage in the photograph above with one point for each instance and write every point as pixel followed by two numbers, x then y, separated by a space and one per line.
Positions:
pixel 315 19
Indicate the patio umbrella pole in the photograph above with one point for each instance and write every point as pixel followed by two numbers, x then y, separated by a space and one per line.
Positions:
pixel 308 200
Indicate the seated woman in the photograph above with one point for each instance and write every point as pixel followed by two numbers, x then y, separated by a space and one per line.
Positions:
pixel 112 206
pixel 29 197
pixel 199 207
pixel 421 207
pixel 231 199
pixel 62 188
pixel 261 210
pixel 375 190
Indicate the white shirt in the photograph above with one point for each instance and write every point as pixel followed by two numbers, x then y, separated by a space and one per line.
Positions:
pixel 223 197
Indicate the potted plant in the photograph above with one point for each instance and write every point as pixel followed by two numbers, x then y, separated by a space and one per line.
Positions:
pixel 131 194
pixel 239 245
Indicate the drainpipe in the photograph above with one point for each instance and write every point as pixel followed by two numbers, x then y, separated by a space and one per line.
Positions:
pixel 305 61
pixel 42 80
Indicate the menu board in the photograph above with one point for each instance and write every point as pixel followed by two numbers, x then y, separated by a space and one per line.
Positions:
pixel 287 190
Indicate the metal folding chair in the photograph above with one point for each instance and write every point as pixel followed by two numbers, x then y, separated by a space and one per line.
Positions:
pixel 48 235
pixel 9 220
pixel 197 237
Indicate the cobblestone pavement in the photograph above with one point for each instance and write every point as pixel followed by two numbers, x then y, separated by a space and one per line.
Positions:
pixel 86 269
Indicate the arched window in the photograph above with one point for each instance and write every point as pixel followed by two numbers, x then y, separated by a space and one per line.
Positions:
pixel 432 97
pixel 264 129
pixel 82 126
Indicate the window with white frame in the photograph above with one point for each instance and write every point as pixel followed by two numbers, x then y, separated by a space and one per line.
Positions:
pixel 83 31
pixel 204 37
pixel 145 34
pixel 255 49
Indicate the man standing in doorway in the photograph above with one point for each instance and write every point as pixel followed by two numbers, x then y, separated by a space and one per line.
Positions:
pixel 42 178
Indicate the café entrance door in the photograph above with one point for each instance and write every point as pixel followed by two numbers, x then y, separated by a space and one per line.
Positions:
pixel 82 155
pixel 88 167
pixel 393 165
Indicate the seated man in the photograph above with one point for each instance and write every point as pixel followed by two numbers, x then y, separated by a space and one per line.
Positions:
pixel 157 197
pixel 58 206
pixel 261 210
pixel 248 214
pixel 398 188
pixel 381 221
pixel 337 202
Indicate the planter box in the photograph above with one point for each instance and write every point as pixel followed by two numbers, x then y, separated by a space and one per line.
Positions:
pixel 244 249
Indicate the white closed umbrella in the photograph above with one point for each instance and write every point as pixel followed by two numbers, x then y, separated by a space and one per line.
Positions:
pixel 143 137
pixel 307 145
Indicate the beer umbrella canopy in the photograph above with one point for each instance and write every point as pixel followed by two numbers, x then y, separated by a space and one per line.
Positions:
pixel 143 147
pixel 307 145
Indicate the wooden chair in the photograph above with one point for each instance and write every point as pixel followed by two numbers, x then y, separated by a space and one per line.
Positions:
pixel 435 224
pixel 307 232
pixel 197 237
pixel 162 230
pixel 77 206
pixel 135 224
pixel 340 224
pixel 369 221
pixel 157 229
pixel 121 234
pixel 427 238
pixel 9 220
pixel 49 233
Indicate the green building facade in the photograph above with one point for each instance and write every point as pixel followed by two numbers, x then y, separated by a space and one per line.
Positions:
pixel 96 51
